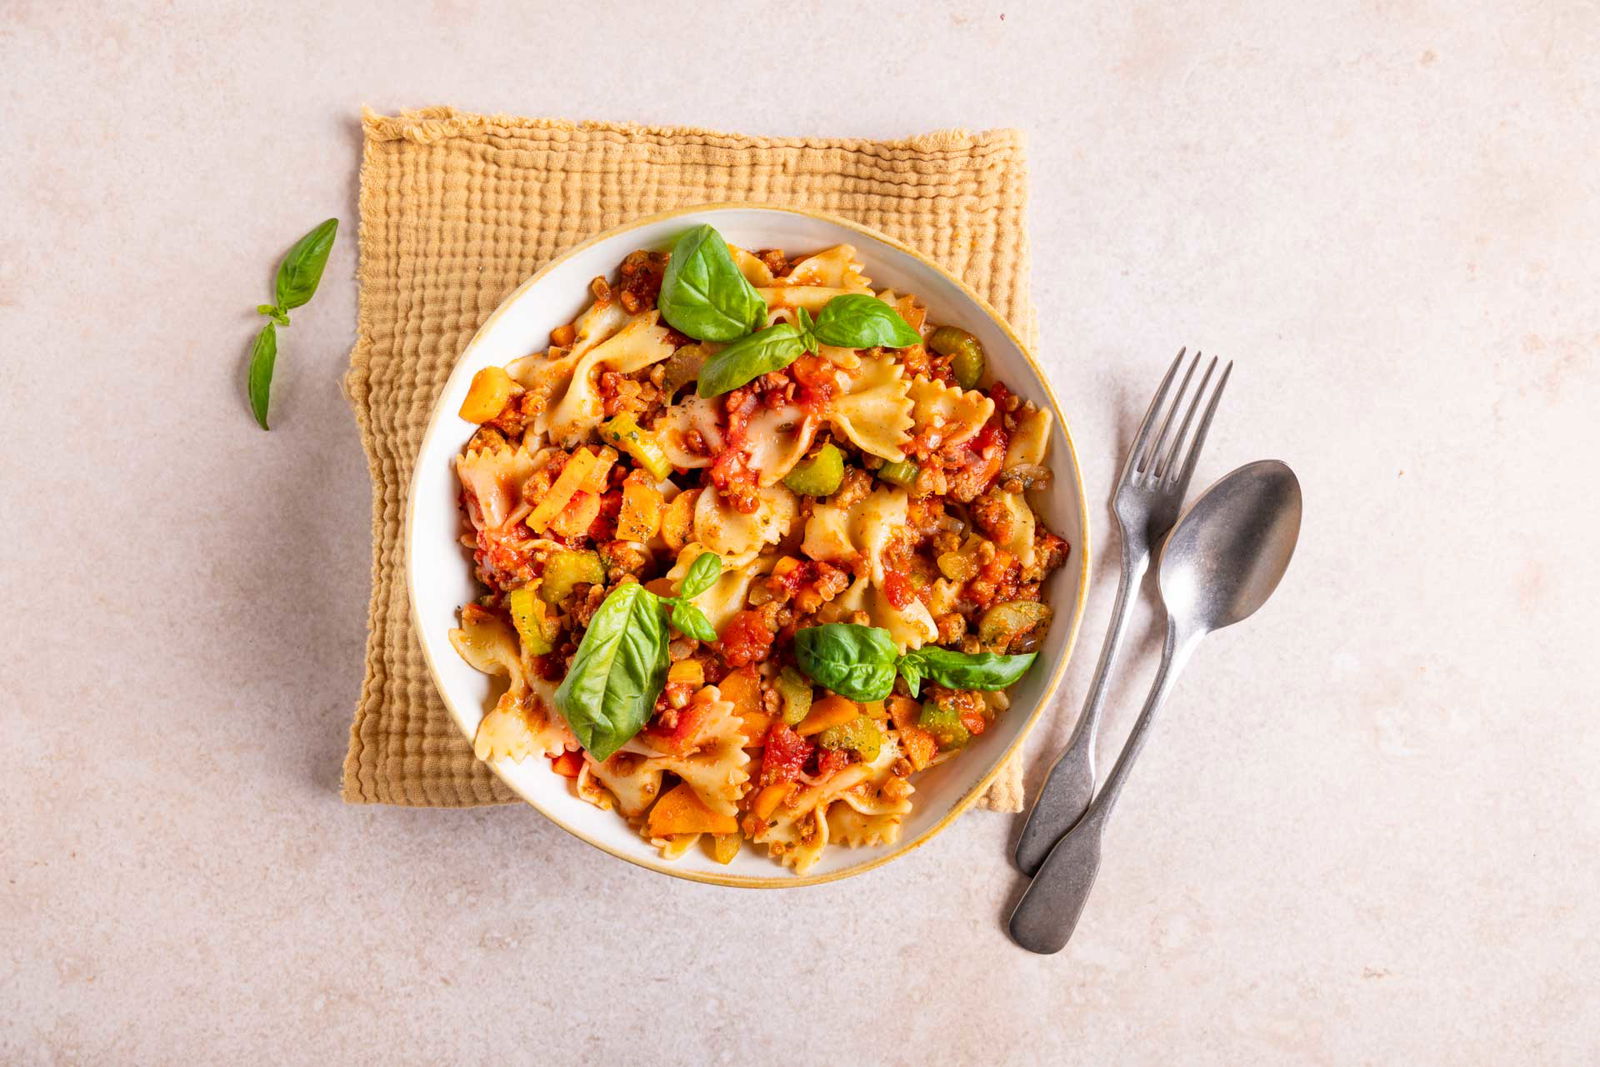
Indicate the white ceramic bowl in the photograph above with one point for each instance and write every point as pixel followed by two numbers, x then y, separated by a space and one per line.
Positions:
pixel 439 574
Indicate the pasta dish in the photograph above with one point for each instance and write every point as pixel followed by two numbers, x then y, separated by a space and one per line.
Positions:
pixel 756 547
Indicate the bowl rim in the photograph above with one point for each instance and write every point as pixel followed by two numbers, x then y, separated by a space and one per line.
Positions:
pixel 972 794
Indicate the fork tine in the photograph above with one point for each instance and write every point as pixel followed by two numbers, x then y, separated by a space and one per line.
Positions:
pixel 1164 462
pixel 1142 437
pixel 1147 461
pixel 1182 477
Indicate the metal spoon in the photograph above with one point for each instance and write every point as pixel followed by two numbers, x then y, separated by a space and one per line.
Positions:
pixel 1221 563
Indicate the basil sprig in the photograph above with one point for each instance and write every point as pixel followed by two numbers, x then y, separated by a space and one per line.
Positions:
pixel 860 662
pixel 764 351
pixel 962 670
pixel 298 277
pixel 703 293
pixel 854 661
pixel 853 320
pixel 687 618
pixel 301 270
pixel 856 320
pixel 263 357
pixel 618 671
pixel 620 667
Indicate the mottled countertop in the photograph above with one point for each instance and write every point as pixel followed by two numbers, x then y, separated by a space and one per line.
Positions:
pixel 1367 829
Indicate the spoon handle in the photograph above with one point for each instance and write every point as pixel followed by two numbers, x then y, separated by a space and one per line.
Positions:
pixel 1069 787
pixel 1048 912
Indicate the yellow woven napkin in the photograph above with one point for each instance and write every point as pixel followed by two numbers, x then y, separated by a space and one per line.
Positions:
pixel 457 209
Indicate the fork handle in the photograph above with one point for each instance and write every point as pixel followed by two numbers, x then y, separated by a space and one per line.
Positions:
pixel 1048 912
pixel 1069 787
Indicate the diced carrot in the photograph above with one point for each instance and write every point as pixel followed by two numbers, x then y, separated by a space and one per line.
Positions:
pixel 595 482
pixel 724 847
pixel 681 811
pixel 754 726
pixel 568 482
pixel 919 745
pixel 831 710
pixel 769 798
pixel 568 764
pixel 640 517
pixel 743 687
pixel 678 519
pixel 687 670
pixel 904 711
pixel 487 395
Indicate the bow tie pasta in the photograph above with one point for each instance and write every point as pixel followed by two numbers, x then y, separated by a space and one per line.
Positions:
pixel 881 486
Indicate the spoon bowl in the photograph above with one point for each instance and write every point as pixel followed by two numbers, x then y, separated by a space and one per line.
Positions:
pixel 1226 556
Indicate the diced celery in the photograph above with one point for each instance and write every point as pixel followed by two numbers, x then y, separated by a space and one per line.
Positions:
pixel 819 475
pixel 966 354
pixel 532 620
pixel 567 568
pixel 1004 623
pixel 945 726
pixel 903 473
pixel 794 689
pixel 861 734
pixel 624 432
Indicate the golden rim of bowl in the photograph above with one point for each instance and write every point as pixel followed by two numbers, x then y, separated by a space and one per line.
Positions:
pixel 967 799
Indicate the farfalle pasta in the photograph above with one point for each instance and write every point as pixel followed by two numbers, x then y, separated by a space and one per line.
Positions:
pixel 729 459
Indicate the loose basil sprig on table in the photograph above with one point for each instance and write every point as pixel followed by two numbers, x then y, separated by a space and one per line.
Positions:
pixel 860 662
pixel 704 295
pixel 298 277
pixel 621 664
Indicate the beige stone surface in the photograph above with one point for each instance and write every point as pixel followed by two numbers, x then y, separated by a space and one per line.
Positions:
pixel 1367 830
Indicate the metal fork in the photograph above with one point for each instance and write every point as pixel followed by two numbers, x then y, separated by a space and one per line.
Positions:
pixel 1149 496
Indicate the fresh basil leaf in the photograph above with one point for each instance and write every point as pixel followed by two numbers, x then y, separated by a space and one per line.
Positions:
pixel 854 661
pixel 911 670
pixel 705 569
pixel 301 270
pixel 703 294
pixel 692 621
pixel 746 360
pixel 963 670
pixel 263 357
pixel 618 671
pixel 856 320
pixel 808 329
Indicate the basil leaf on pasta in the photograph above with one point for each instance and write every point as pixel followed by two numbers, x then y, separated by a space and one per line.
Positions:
pixel 618 671
pixel 854 661
pixel 301 270
pixel 703 572
pixel 962 670
pixel 856 320
pixel 703 294
pixel 910 669
pixel 746 360
pixel 692 621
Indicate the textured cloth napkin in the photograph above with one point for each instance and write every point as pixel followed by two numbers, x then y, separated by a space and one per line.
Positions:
pixel 457 209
